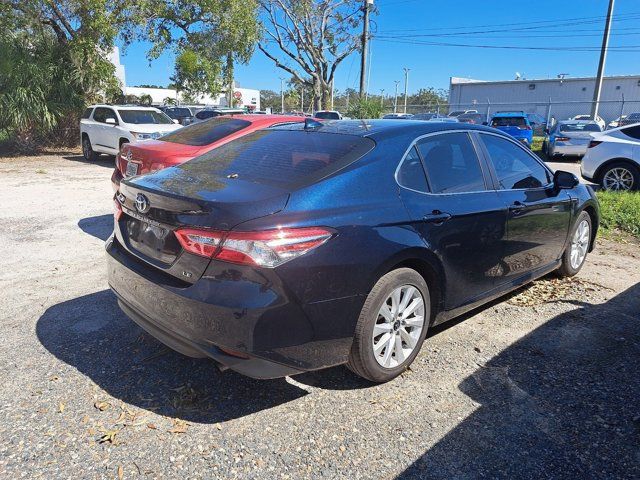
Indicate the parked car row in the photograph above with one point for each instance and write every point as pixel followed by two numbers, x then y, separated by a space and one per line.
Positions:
pixel 257 253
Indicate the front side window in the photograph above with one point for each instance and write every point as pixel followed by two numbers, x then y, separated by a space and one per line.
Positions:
pixel 87 113
pixel 514 167
pixel 411 174
pixel 101 114
pixel 205 133
pixel 451 163
pixel 143 117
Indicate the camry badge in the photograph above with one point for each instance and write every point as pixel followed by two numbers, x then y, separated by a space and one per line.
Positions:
pixel 142 203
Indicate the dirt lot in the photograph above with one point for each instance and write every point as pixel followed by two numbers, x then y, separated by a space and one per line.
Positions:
pixel 542 384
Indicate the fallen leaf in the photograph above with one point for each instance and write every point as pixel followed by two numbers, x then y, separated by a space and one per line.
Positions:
pixel 102 406
pixel 179 426
pixel 218 426
pixel 151 426
pixel 108 436
pixel 61 407
pixel 120 472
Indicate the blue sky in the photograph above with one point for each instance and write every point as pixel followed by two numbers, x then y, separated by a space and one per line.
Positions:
pixel 401 24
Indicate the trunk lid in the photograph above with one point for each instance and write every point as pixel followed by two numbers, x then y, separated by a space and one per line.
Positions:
pixel 155 205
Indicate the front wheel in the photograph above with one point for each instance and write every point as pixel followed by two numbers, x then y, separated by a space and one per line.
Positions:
pixel 576 253
pixel 87 151
pixel 392 326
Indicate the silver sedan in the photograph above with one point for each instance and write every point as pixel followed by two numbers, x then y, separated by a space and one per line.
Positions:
pixel 569 138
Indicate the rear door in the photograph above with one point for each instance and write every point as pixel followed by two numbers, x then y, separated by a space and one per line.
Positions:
pixel 106 133
pixel 459 218
pixel 539 215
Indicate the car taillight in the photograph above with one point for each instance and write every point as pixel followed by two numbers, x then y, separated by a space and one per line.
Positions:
pixel 268 248
pixel 562 139
pixel 594 143
pixel 117 213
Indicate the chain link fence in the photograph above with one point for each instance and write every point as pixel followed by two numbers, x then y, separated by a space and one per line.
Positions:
pixel 609 111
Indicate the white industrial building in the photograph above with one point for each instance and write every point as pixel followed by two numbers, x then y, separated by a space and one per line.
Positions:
pixel 560 97
pixel 245 97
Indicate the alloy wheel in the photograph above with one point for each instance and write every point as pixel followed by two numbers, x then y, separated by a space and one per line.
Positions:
pixel 398 326
pixel 580 244
pixel 618 178
pixel 86 148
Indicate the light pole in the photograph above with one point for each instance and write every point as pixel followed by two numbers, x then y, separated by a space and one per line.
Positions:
pixel 603 58
pixel 395 99
pixel 406 86
pixel 281 95
pixel 302 98
pixel 382 97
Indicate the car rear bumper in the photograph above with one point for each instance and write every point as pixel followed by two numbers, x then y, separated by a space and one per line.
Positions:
pixel 267 334
pixel 571 150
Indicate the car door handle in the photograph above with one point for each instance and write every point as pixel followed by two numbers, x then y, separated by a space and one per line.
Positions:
pixel 436 217
pixel 517 207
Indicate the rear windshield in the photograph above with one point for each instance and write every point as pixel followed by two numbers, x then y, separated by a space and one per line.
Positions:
pixel 281 157
pixel 140 117
pixel 178 112
pixel 205 133
pixel 508 122
pixel 578 127
pixel 327 115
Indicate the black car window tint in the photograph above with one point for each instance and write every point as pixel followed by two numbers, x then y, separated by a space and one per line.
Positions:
pixel 411 174
pixel 633 132
pixel 101 114
pixel 451 163
pixel 514 167
pixel 205 133
pixel 87 113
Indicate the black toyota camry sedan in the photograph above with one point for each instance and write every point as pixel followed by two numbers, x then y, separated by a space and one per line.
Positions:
pixel 300 247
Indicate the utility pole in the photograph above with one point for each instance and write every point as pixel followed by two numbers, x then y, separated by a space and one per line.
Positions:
pixel 395 99
pixel 281 95
pixel 382 97
pixel 332 92
pixel 302 99
pixel 406 86
pixel 603 58
pixel 365 47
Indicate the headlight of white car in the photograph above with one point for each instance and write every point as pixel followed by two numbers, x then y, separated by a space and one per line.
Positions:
pixel 146 136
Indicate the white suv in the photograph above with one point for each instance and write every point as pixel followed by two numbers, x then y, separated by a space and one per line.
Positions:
pixel 105 128
pixel 613 158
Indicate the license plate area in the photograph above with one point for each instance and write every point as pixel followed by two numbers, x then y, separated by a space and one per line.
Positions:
pixel 131 170
pixel 152 239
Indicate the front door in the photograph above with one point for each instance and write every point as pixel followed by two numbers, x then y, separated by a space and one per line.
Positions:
pixel 458 218
pixel 539 215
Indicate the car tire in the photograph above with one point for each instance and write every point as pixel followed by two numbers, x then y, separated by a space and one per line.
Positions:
pixel 627 172
pixel 576 252
pixel 545 148
pixel 87 150
pixel 382 360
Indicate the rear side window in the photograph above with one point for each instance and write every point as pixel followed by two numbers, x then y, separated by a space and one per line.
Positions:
pixel 206 133
pixel 87 113
pixel 280 157
pixel 633 132
pixel 411 174
pixel 451 163
pixel 508 122
pixel 514 167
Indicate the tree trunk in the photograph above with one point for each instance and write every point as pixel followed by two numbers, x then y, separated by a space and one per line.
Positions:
pixel 229 79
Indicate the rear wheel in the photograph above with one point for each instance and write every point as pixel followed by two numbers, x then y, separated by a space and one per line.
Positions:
pixel 392 326
pixel 576 253
pixel 620 176
pixel 87 150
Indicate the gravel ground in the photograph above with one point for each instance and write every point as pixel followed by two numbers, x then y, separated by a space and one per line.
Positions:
pixel 541 384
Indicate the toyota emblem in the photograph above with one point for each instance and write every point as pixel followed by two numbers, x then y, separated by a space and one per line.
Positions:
pixel 142 203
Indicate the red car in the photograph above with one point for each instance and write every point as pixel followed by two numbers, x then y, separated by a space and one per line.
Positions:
pixel 189 142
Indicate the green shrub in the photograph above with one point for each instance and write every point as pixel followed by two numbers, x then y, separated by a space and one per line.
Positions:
pixel 365 108
pixel 619 211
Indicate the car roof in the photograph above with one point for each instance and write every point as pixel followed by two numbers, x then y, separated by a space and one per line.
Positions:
pixel 125 107
pixel 577 122
pixel 384 128
pixel 509 114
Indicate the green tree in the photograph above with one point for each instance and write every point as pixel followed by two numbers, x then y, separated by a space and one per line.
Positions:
pixel 365 108
pixel 314 37
pixel 145 99
pixel 219 32
pixel 196 75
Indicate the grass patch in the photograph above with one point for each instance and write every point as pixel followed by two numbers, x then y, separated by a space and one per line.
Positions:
pixel 619 212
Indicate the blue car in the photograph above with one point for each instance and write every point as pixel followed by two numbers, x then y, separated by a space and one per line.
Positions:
pixel 516 124
pixel 305 246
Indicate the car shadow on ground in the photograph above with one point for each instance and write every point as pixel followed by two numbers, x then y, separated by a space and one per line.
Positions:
pixel 562 402
pixel 107 161
pixel 99 226
pixel 91 334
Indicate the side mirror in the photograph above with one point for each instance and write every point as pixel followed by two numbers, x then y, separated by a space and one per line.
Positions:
pixel 565 180
pixel 110 121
